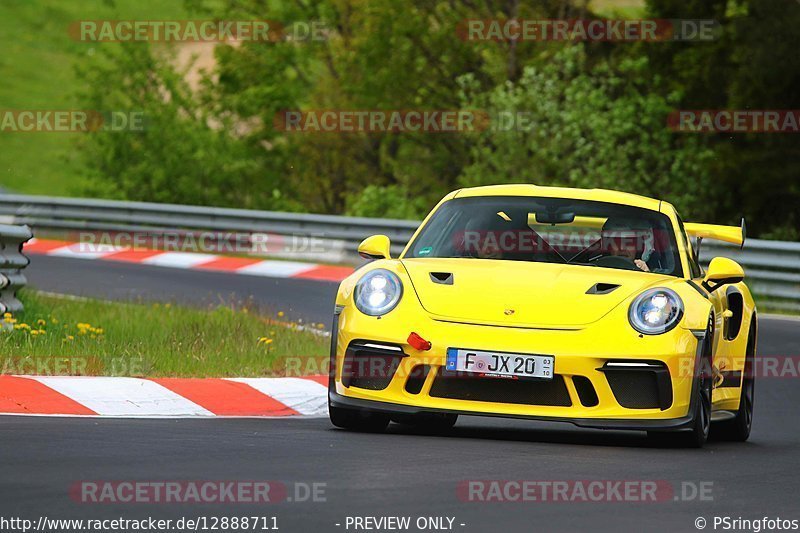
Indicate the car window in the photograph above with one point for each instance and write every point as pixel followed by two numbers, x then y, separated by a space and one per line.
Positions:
pixel 551 230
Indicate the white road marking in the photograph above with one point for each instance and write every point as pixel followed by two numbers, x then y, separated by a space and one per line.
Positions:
pixel 84 251
pixel 122 396
pixel 279 269
pixel 179 259
pixel 305 396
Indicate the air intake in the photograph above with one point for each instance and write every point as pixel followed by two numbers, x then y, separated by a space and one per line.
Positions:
pixel 602 288
pixel 443 278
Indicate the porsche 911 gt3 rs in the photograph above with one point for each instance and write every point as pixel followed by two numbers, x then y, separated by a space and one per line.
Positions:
pixel 584 306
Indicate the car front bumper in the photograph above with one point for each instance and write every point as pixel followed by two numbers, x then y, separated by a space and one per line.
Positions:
pixel 581 355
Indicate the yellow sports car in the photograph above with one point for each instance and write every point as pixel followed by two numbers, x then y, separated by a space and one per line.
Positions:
pixel 558 304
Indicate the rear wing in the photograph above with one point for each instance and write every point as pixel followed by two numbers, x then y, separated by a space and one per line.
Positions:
pixel 730 234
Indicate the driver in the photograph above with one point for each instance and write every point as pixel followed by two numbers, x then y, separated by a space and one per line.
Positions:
pixel 482 236
pixel 620 238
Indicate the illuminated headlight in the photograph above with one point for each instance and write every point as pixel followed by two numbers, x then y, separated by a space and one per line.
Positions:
pixel 378 292
pixel 655 311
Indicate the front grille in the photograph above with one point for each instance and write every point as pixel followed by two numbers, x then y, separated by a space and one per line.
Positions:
pixel 369 367
pixel 634 389
pixel 501 390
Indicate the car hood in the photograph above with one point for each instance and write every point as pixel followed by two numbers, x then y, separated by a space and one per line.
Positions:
pixel 522 294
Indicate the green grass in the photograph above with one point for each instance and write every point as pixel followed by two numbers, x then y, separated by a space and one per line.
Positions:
pixel 37 69
pixel 153 340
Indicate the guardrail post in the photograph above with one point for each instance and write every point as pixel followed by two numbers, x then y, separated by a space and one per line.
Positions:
pixel 12 262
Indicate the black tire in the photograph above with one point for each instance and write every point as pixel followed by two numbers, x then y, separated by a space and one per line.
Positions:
pixel 738 428
pixel 697 435
pixel 358 419
pixel 433 422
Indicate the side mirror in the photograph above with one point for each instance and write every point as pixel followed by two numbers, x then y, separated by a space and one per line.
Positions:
pixel 375 247
pixel 722 271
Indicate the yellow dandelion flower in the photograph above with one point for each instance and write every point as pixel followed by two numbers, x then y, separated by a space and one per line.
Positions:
pixel 280 313
pixel 34 332
pixel 41 322
pixel 6 315
pixel 10 320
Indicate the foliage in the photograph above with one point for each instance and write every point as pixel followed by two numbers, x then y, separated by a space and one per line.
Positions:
pixel 185 153
pixel 569 124
pixel 598 110
pixel 391 201
pixel 752 64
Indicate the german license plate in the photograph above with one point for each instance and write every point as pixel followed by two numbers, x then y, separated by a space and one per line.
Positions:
pixel 500 364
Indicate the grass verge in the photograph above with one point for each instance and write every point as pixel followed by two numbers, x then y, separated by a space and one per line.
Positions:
pixel 65 336
pixel 37 67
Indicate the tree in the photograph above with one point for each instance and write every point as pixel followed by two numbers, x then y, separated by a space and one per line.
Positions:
pixel 578 126
pixel 185 153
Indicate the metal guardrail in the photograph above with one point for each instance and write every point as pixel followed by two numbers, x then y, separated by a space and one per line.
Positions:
pixel 12 261
pixel 772 267
pixel 78 214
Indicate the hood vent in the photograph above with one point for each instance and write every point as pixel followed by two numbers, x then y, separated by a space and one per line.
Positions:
pixel 442 278
pixel 602 288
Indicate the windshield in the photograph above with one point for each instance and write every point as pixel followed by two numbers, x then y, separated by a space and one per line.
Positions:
pixel 551 230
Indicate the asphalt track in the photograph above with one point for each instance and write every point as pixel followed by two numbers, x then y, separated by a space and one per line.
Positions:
pixel 401 473
pixel 298 298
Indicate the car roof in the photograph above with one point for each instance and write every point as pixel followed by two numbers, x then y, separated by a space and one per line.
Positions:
pixel 527 189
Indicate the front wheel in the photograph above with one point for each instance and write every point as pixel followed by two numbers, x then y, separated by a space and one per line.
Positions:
pixel 697 434
pixel 738 428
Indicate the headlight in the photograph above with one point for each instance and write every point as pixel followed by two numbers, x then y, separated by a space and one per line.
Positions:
pixel 656 311
pixel 378 292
